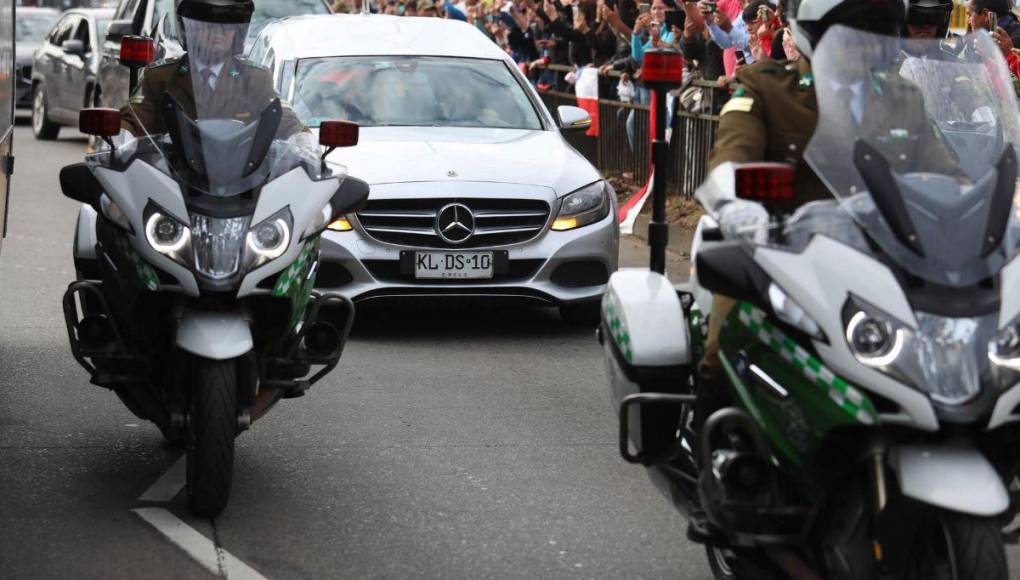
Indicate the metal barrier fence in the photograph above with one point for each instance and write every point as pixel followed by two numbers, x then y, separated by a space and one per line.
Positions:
pixel 613 152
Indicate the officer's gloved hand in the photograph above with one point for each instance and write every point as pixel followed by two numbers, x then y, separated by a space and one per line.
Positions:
pixel 744 219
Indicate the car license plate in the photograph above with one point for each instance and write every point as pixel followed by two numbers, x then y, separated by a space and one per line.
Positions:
pixel 453 265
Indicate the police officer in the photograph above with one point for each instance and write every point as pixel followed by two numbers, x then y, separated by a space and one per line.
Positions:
pixel 210 81
pixel 929 18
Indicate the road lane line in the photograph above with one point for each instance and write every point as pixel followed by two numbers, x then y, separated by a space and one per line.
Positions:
pixel 201 549
pixel 168 485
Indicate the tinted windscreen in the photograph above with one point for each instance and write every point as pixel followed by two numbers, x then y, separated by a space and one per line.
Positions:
pixel 33 28
pixel 412 91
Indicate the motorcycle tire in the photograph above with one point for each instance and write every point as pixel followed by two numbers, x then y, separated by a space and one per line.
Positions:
pixel 954 546
pixel 212 427
pixel 720 561
pixel 727 564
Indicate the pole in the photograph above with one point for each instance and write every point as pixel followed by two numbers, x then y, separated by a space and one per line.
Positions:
pixel 658 230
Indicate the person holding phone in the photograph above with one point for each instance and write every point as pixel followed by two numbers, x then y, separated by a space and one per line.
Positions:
pixel 994 15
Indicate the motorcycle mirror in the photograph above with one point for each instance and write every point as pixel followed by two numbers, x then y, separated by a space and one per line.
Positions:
pixel 103 123
pixel 765 182
pixel 333 134
pixel 349 198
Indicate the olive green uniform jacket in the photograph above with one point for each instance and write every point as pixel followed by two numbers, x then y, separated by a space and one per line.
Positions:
pixel 243 91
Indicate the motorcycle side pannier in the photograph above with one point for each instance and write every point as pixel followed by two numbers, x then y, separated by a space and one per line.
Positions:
pixel 645 335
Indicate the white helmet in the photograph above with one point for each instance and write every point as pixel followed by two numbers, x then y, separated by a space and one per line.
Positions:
pixel 809 19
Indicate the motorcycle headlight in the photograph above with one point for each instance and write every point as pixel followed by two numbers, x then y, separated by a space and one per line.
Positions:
pixel 217 243
pixel 791 313
pixel 583 207
pixel 269 239
pixel 943 357
pixel 168 236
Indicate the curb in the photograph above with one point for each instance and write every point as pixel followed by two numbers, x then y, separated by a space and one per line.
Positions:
pixel 680 239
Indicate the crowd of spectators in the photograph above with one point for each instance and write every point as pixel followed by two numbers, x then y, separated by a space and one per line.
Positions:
pixel 716 37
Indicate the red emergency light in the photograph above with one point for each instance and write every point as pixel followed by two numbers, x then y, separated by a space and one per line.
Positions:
pixel 99 122
pixel 334 134
pixel 137 51
pixel 765 182
pixel 662 68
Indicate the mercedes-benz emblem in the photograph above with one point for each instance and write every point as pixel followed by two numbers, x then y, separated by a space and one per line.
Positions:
pixel 455 223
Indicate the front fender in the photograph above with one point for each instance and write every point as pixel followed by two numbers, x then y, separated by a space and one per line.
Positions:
pixel 214 335
pixel 958 479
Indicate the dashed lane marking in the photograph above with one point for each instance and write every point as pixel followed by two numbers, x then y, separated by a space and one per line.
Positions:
pixel 201 549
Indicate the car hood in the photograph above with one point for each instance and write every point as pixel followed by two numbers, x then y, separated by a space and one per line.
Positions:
pixel 406 154
pixel 24 51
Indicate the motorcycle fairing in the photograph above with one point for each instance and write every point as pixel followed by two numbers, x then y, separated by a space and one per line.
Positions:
pixel 214 335
pixel 956 479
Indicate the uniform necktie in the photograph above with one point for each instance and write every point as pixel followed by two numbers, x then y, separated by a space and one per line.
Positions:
pixel 205 88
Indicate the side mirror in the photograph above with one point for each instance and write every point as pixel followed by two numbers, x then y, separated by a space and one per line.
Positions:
pixel 119 29
pixel 73 46
pixel 573 118
pixel 333 134
pixel 103 123
pixel 351 197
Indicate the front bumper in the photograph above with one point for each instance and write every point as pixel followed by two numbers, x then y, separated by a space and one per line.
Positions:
pixel 554 268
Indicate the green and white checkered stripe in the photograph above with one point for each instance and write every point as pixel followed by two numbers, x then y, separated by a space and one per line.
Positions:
pixel 294 273
pixel 617 327
pixel 145 272
pixel 845 396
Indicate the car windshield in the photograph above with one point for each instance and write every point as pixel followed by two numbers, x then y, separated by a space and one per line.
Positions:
pixel 412 91
pixel 33 27
pixel 919 145
pixel 268 10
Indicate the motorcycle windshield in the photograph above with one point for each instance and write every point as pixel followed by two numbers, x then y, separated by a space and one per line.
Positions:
pixel 213 120
pixel 917 140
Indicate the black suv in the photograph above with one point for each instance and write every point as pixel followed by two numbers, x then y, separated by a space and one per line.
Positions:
pixel 155 19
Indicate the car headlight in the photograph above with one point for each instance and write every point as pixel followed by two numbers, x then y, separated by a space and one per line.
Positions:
pixel 269 239
pixel 168 236
pixel 943 357
pixel 583 207
pixel 217 243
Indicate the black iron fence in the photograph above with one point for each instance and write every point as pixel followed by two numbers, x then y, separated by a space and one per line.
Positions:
pixel 614 151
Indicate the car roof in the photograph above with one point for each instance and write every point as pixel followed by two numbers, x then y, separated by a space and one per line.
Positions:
pixel 93 12
pixel 379 35
pixel 35 10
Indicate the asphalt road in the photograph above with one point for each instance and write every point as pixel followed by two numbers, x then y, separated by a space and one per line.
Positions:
pixel 449 443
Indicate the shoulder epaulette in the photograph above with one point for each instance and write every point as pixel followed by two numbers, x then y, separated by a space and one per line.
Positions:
pixel 165 62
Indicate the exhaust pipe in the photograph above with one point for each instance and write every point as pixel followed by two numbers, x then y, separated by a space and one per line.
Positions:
pixel 322 339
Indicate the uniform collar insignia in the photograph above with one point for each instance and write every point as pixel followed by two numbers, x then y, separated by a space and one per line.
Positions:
pixel 184 69
pixel 807 80
pixel 234 74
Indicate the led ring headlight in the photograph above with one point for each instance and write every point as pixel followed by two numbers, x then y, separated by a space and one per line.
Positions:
pixel 270 238
pixel 166 234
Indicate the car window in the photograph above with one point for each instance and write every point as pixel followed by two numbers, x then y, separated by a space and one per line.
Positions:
pixel 126 10
pixel 82 33
pixel 268 10
pixel 33 27
pixel 412 91
pixel 64 29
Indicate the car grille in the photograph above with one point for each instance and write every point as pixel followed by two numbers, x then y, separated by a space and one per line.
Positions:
pixel 411 222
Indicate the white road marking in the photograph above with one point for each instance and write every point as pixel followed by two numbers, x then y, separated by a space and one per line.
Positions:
pixel 201 549
pixel 169 485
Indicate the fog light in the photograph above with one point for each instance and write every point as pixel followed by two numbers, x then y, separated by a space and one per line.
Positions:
pixel 341 225
pixel 564 224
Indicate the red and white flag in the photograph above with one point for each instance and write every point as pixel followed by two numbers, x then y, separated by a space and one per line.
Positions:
pixel 630 209
pixel 587 90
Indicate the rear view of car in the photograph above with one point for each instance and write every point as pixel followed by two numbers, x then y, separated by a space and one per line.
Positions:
pixel 475 192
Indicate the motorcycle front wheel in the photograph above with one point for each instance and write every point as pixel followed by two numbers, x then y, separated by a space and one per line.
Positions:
pixel 212 427
pixel 954 546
